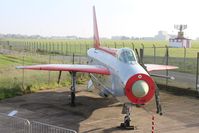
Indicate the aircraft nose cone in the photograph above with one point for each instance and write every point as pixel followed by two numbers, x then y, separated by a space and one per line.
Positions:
pixel 140 88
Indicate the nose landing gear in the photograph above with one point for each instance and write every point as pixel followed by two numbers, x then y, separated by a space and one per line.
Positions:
pixel 127 119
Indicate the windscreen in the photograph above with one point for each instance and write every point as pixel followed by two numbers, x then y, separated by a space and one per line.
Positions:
pixel 126 56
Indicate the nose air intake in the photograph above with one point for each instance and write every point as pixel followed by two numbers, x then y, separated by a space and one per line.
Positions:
pixel 140 89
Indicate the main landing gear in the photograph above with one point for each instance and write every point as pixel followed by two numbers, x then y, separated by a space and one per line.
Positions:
pixel 127 111
pixel 73 88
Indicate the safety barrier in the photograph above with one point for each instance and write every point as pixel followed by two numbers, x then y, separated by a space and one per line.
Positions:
pixel 13 124
pixel 38 127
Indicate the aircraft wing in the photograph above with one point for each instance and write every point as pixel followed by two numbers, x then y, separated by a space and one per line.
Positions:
pixel 69 67
pixel 155 67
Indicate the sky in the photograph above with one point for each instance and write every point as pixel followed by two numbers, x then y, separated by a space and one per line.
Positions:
pixel 138 18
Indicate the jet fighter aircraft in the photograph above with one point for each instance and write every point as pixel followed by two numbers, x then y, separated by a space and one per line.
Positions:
pixel 115 72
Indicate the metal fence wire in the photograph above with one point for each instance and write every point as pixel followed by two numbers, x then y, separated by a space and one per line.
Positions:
pixel 12 124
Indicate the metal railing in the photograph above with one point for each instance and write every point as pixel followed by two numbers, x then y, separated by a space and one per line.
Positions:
pixel 38 127
pixel 13 124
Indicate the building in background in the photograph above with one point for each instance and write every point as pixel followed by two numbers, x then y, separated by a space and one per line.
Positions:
pixel 162 35
pixel 180 41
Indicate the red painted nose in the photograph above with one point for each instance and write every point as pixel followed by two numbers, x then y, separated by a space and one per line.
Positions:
pixel 140 89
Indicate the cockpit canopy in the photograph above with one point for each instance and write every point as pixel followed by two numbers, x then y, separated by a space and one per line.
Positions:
pixel 126 55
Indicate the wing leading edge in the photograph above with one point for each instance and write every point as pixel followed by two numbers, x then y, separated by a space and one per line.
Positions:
pixel 155 67
pixel 69 67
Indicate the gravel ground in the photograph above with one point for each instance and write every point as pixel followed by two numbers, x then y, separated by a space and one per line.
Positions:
pixel 94 114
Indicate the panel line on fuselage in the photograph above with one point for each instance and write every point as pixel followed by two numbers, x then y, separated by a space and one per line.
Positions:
pixel 98 83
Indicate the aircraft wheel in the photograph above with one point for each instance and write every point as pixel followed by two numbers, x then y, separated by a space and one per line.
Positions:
pixel 72 98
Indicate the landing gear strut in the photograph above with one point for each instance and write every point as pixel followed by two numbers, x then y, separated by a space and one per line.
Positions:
pixel 73 88
pixel 157 100
pixel 127 110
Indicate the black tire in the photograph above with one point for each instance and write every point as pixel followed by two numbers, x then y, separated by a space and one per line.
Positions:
pixel 127 121
pixel 72 98
pixel 122 125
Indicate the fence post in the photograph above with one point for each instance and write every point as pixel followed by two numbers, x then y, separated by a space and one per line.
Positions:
pixel 57 49
pixel 115 44
pixel 197 85
pixel 23 74
pixel 53 51
pixel 49 71
pixel 62 48
pixel 74 47
pixel 50 47
pixel 86 49
pixel 49 61
pixel 24 47
pixel 70 49
pixel 8 44
pixel 185 53
pixel 43 46
pixel 133 46
pixel 66 48
pixel 40 45
pixel 37 46
pixel 73 60
pixel 32 46
pixel 28 46
pixel 80 47
pixel 167 62
pixel 154 54
pixel 142 46
pixel 46 44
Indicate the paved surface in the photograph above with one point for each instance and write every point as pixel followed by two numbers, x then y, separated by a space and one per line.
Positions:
pixel 94 114
pixel 182 80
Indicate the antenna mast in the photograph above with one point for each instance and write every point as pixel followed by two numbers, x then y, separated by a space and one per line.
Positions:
pixel 180 27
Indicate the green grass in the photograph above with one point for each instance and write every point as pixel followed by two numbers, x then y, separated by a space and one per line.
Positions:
pixel 184 58
pixel 15 82
pixel 79 47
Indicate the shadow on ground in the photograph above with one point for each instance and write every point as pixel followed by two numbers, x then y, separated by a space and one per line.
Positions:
pixel 54 108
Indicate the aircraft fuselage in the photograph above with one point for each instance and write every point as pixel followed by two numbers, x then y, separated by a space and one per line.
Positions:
pixel 113 84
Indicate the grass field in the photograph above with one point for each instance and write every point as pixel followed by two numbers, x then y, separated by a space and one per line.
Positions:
pixel 17 82
pixel 154 51
pixel 80 46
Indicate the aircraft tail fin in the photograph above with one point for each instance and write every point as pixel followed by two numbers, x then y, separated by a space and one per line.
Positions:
pixel 96 35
